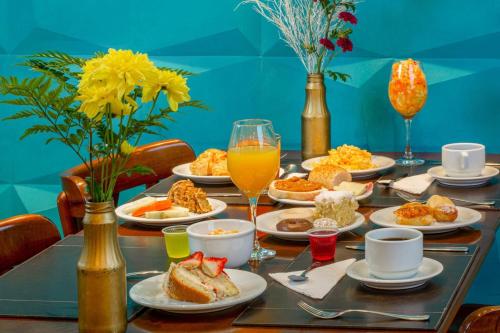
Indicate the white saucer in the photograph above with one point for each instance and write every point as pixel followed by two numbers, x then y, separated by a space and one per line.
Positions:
pixel 439 174
pixel 429 269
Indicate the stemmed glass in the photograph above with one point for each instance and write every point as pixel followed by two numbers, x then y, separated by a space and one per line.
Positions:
pixel 253 162
pixel 408 93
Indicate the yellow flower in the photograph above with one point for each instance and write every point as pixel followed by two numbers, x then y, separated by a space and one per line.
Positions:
pixel 173 84
pixel 126 148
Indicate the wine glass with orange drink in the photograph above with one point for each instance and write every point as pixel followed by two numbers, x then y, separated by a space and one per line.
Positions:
pixel 408 93
pixel 253 162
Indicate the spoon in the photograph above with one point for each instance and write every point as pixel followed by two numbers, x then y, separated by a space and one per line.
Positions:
pixel 289 169
pixel 302 276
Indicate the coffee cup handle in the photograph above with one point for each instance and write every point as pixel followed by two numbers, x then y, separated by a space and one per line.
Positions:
pixel 464 160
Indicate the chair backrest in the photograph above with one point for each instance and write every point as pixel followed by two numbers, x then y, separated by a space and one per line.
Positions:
pixel 160 156
pixel 483 320
pixel 23 236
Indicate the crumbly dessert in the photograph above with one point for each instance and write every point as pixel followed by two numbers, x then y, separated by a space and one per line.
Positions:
pixel 199 279
pixel 414 213
pixel 184 194
pixel 212 162
pixel 325 222
pixel 329 175
pixel 443 209
pixel 295 188
pixel 337 205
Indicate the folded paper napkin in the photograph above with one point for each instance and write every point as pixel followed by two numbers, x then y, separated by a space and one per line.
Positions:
pixel 320 280
pixel 414 184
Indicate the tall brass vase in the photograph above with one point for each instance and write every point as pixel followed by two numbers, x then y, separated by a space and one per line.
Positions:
pixel 315 119
pixel 102 285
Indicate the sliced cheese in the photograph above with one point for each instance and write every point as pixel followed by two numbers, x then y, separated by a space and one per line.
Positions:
pixel 154 214
pixel 355 188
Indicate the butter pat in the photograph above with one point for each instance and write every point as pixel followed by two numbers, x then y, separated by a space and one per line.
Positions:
pixel 354 188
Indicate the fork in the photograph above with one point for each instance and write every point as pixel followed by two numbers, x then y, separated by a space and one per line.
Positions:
pixel 408 198
pixel 389 182
pixel 331 314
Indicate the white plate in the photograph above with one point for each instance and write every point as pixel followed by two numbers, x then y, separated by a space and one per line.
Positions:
pixel 381 163
pixel 267 223
pixel 439 174
pixel 429 269
pixel 184 171
pixel 149 293
pixel 217 207
pixel 466 216
pixel 309 203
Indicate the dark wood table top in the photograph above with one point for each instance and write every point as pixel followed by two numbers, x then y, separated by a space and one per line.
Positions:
pixel 157 321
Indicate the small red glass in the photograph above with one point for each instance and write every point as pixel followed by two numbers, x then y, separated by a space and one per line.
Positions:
pixel 323 243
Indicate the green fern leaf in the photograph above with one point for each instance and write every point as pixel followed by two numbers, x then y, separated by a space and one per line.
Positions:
pixel 20 115
pixel 36 129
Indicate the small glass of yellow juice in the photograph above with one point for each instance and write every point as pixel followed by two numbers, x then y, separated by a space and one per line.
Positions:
pixel 176 241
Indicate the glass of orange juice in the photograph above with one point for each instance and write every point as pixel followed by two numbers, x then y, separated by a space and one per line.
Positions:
pixel 408 93
pixel 253 162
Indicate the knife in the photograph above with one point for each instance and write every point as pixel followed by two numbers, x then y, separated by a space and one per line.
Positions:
pixel 434 249
pixel 210 195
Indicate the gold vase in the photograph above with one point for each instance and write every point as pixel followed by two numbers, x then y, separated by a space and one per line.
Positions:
pixel 102 285
pixel 315 119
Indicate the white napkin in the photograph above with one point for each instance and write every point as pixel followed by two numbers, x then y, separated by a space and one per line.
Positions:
pixel 320 280
pixel 414 184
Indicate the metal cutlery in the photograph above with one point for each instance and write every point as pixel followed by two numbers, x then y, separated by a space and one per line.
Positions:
pixel 140 274
pixel 290 168
pixel 463 249
pixel 409 198
pixel 302 276
pixel 209 194
pixel 332 314
pixel 389 182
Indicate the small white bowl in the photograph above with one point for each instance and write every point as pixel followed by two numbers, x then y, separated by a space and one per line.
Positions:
pixel 237 247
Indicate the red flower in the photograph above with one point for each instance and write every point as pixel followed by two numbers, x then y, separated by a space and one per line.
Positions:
pixel 327 43
pixel 345 44
pixel 348 17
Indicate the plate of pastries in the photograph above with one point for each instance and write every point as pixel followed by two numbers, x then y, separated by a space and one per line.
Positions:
pixel 438 214
pixel 302 192
pixel 331 209
pixel 358 162
pixel 210 167
pixel 184 202
pixel 198 284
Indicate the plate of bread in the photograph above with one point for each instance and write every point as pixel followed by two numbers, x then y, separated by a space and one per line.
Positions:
pixel 335 209
pixel 182 203
pixel 198 285
pixel 438 214
pixel 210 167
pixel 358 162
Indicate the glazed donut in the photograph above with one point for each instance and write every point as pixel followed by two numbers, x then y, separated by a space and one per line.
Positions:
pixel 294 225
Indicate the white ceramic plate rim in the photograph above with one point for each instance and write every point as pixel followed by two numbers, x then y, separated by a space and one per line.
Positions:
pixel 433 172
pixel 378 218
pixel 372 279
pixel 384 163
pixel 310 202
pixel 298 235
pixel 219 205
pixel 183 170
pixel 239 277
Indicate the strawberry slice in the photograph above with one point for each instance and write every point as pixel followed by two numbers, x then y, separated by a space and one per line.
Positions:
pixel 194 261
pixel 212 266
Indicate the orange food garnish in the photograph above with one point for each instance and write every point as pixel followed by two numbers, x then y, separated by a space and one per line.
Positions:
pixel 155 206
pixel 296 184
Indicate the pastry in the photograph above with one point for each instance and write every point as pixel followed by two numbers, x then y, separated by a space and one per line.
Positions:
pixel 443 209
pixel 414 213
pixel 329 175
pixel 339 206
pixel 212 162
pixel 184 194
pixel 295 188
pixel 199 280
pixel 294 225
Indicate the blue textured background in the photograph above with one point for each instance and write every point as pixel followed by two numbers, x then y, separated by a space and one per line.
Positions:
pixel 246 71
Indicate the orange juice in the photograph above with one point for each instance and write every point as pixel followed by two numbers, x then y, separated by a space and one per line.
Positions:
pixel 252 168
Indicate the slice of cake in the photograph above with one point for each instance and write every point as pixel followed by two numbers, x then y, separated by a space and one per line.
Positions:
pixel 199 280
pixel 337 205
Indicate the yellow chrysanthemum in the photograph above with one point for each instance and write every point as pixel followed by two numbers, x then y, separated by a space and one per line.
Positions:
pixel 126 148
pixel 173 84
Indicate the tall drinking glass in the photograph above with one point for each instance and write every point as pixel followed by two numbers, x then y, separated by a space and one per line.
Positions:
pixel 408 93
pixel 253 162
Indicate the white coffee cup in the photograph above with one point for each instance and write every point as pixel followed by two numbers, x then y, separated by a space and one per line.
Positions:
pixel 393 259
pixel 463 159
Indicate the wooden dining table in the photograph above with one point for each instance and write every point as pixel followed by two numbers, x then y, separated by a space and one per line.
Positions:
pixel 150 320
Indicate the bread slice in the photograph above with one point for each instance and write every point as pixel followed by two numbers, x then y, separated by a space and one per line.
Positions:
pixel 329 175
pixel 183 285
pixel 302 196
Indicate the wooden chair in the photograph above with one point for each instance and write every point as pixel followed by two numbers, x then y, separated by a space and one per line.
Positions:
pixel 483 320
pixel 160 156
pixel 23 236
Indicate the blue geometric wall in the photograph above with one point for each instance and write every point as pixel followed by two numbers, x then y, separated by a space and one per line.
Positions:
pixel 245 70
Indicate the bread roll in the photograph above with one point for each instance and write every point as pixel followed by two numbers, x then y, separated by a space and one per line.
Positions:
pixel 329 175
pixel 414 214
pixel 443 209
